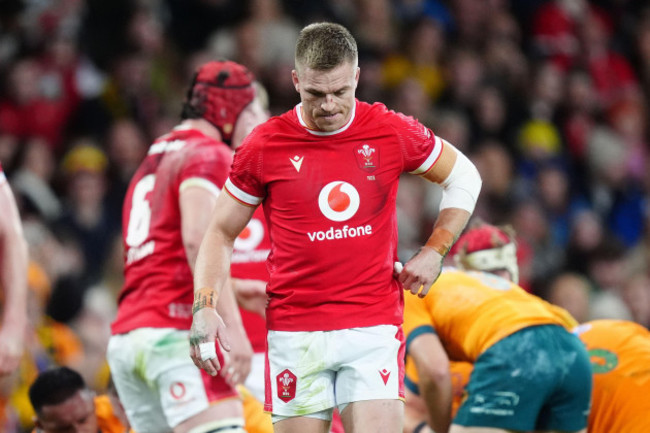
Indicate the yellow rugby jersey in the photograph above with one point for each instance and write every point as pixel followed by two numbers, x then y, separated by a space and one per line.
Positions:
pixel 619 351
pixel 470 311
pixel 617 346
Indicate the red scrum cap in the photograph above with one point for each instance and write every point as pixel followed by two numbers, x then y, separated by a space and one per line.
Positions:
pixel 219 93
pixel 487 248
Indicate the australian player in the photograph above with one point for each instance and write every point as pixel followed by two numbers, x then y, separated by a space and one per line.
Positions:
pixel 530 373
pixel 620 356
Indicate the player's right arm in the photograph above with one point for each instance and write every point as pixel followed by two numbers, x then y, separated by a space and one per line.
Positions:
pixel 211 273
pixel 13 280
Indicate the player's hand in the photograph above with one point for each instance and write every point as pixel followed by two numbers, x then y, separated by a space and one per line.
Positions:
pixel 238 360
pixel 207 328
pixel 11 349
pixel 251 295
pixel 421 272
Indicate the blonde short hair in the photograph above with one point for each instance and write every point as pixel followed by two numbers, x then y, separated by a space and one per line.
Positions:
pixel 324 46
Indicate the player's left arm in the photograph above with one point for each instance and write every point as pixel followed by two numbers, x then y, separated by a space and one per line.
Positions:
pixel 197 203
pixel 461 183
pixel 13 281
pixel 211 279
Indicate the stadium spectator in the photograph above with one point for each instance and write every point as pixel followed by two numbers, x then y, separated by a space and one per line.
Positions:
pixel 572 292
pixel 48 343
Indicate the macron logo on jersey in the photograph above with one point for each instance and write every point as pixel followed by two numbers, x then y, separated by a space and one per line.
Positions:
pixel 297 162
pixel 339 201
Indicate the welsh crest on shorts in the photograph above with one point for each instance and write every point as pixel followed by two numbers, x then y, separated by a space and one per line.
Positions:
pixel 286 382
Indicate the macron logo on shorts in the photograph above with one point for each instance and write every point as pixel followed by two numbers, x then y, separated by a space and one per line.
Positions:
pixel 385 374
pixel 286 382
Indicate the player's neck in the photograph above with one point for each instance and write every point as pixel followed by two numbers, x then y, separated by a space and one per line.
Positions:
pixel 203 126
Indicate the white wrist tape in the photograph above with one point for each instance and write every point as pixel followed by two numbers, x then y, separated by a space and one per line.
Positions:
pixel 208 351
pixel 462 186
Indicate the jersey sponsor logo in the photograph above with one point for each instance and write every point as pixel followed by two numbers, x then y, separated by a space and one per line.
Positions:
pixel 177 390
pixel 286 382
pixel 297 162
pixel 342 233
pixel 367 157
pixel 385 374
pixel 254 256
pixel 338 201
pixel 602 360
pixel 251 236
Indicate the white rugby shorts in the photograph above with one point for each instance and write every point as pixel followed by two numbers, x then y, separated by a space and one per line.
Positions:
pixel 310 373
pixel 157 382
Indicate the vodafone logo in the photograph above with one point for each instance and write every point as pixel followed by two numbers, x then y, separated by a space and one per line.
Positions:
pixel 338 201
pixel 177 390
pixel 250 237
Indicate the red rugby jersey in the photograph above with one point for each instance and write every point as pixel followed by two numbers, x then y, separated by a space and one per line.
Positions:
pixel 329 199
pixel 158 287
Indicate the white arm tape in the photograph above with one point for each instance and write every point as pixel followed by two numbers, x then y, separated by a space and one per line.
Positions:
pixel 462 186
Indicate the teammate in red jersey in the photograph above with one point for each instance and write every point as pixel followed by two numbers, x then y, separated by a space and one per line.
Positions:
pixel 327 174
pixel 166 211
pixel 13 280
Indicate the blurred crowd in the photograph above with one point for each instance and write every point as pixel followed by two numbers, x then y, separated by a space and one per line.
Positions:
pixel 549 98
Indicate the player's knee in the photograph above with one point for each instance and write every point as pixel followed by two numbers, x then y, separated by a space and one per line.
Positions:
pixel 227 425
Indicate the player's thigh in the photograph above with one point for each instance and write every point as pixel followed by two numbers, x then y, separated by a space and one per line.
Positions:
pixel 138 397
pixel 299 378
pixel 159 385
pixel 223 417
pixel 378 416
pixel 301 424
pixel 371 364
pixel 461 429
pixel 187 394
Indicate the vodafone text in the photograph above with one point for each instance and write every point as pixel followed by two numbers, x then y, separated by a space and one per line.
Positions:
pixel 342 233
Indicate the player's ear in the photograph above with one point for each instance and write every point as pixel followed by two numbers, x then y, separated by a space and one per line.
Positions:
pixel 296 81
